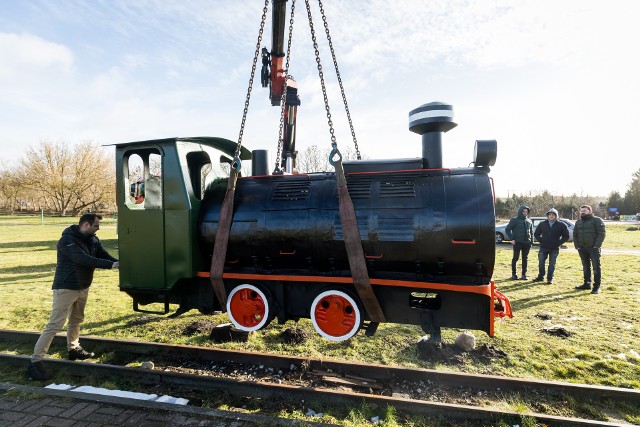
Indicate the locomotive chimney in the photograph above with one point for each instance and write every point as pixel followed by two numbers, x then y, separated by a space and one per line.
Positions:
pixel 431 120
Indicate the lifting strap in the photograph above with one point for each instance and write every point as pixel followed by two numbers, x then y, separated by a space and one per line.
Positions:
pixel 226 210
pixel 353 244
pixel 350 231
pixel 222 241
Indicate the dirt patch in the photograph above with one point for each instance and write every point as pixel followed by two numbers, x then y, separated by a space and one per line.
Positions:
pixel 449 353
pixel 558 331
pixel 200 327
pixel 544 316
pixel 140 320
pixel 294 335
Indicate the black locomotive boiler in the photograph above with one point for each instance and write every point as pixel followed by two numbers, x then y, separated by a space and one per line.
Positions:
pixel 427 232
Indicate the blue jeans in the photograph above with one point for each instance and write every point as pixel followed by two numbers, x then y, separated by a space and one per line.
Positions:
pixel 590 257
pixel 542 259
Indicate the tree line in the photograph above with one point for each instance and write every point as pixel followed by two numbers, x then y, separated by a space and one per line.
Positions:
pixel 568 206
pixel 61 179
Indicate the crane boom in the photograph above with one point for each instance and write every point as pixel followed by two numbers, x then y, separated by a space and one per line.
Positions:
pixel 275 76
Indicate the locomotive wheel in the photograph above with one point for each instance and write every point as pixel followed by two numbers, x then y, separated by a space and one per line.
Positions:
pixel 335 315
pixel 248 308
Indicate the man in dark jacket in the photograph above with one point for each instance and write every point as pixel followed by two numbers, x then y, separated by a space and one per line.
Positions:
pixel 79 254
pixel 520 232
pixel 588 236
pixel 551 233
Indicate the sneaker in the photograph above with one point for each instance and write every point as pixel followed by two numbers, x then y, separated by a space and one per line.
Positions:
pixel 514 277
pixel 595 290
pixel 584 287
pixel 37 372
pixel 550 282
pixel 538 279
pixel 79 354
pixel 524 278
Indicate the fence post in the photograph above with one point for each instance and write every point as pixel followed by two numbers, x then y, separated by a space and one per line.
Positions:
pixel 41 216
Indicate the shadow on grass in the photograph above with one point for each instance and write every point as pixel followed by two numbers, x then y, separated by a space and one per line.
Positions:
pixel 27 272
pixel 50 244
pixel 542 299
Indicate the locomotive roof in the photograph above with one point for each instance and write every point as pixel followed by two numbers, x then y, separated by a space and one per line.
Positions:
pixel 225 145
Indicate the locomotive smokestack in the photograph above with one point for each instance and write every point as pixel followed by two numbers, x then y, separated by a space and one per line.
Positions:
pixel 431 120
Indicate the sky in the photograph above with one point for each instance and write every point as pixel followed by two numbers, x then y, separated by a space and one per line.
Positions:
pixel 556 83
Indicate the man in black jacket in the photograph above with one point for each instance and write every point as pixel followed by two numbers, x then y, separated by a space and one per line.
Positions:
pixel 520 232
pixel 588 236
pixel 551 233
pixel 79 254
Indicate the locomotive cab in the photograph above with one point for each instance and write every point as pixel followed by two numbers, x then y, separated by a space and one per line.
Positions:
pixel 160 185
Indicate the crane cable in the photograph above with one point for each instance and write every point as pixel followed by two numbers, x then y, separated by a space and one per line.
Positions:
pixel 348 219
pixel 226 210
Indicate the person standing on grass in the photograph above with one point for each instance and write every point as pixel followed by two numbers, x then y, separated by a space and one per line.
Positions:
pixel 79 254
pixel 588 236
pixel 551 233
pixel 520 232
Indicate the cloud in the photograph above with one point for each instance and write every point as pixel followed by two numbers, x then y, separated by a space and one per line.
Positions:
pixel 29 53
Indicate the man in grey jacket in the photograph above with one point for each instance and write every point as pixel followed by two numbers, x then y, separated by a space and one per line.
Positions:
pixel 588 236
pixel 79 254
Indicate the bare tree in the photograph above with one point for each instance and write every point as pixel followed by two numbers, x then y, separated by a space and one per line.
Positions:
pixel 10 187
pixel 316 159
pixel 71 178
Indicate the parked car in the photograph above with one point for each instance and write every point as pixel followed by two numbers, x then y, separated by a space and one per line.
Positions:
pixel 501 234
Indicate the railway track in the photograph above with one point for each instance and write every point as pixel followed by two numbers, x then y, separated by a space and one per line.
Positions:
pixel 370 382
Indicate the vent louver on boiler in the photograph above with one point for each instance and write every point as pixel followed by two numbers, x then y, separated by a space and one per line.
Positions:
pixel 396 229
pixel 359 189
pixel 294 190
pixel 398 188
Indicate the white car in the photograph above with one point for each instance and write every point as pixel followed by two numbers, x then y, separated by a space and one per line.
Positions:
pixel 501 235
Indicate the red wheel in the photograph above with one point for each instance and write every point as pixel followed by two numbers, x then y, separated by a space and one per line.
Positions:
pixel 335 315
pixel 248 308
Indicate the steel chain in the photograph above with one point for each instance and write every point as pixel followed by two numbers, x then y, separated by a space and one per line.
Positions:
pixel 253 72
pixel 284 92
pixel 335 64
pixel 334 144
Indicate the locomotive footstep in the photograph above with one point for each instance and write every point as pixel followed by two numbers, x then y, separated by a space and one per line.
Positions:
pixel 227 332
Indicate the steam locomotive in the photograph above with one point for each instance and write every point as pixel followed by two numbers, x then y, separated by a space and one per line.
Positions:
pixel 427 234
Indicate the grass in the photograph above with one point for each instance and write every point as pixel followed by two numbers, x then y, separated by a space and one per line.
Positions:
pixel 605 327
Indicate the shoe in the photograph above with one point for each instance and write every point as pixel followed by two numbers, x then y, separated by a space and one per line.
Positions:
pixel 514 277
pixel 79 354
pixel 524 278
pixel 37 372
pixel 584 287
pixel 596 289
pixel 538 279
pixel 550 282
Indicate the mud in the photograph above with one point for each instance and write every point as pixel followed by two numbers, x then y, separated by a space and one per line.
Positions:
pixel 451 354
pixel 294 336
pixel 199 327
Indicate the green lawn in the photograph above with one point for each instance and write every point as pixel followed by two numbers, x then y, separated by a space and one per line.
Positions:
pixel 602 350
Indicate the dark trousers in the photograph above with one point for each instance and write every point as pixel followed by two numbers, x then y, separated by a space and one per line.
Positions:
pixel 590 257
pixel 517 248
pixel 542 259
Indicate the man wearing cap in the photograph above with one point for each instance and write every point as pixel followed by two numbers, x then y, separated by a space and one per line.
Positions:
pixel 588 236
pixel 520 232
pixel 551 233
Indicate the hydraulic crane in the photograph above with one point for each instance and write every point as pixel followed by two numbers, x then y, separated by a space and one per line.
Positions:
pixel 275 76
